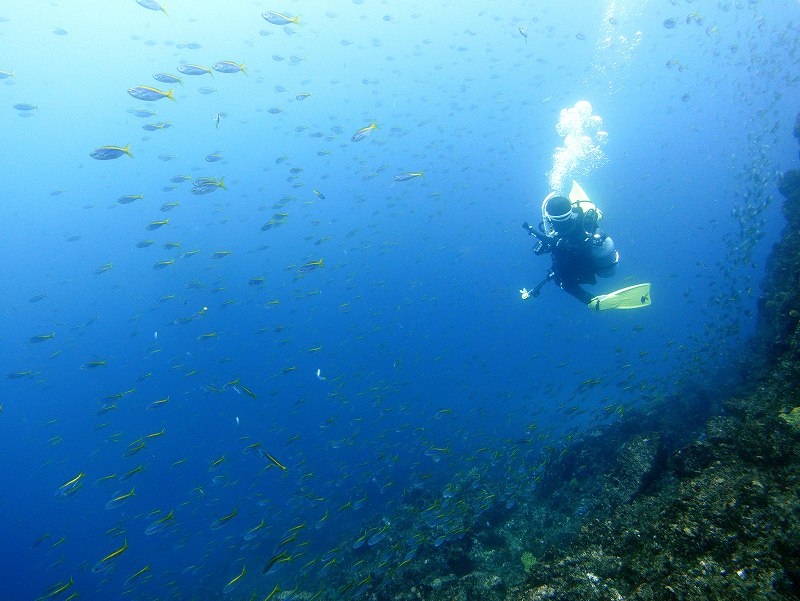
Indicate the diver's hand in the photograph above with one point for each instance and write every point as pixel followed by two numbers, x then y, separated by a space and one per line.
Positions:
pixel 526 226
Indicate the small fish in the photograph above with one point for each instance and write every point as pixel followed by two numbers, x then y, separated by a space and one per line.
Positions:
pixel 321 522
pixel 311 266
pixel 280 19
pixel 149 94
pixel 152 5
pixel 253 532
pixel 232 584
pixel 135 576
pixel 70 487
pixel 523 31
pixel 364 132
pixel 207 185
pixel 129 198
pixel 154 225
pixel 249 392
pixel 228 67
pixel 119 500
pixel 142 113
pixel 188 69
pixel 158 403
pixel 132 449
pixel 59 588
pixel 105 563
pixel 378 536
pixel 160 525
pixel 217 524
pixel 217 462
pixel 404 177
pixel 359 542
pixel 16 375
pixel 302 96
pixel 206 91
pixel 167 78
pixel 145 243
pixel 214 156
pixel 24 106
pixel 272 459
pixel 217 118
pixel 162 264
pixel 319 194
pixel 128 475
pixel 6 74
pixel 105 153
pixel 41 338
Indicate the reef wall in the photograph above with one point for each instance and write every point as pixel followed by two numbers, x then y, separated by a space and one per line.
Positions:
pixel 779 305
pixel 650 508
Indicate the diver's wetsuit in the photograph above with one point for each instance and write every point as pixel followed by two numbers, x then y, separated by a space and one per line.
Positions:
pixel 573 265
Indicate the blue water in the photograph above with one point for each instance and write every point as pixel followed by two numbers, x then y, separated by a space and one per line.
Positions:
pixel 436 380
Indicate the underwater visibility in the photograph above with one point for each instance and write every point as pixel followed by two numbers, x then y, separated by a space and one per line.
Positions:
pixel 272 330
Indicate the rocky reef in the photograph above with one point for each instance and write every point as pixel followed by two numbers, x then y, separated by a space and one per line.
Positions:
pixel 696 498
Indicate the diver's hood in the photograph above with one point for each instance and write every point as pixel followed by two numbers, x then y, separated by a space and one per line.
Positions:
pixel 557 214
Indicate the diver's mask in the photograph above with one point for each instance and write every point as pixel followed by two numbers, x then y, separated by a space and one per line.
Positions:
pixel 557 215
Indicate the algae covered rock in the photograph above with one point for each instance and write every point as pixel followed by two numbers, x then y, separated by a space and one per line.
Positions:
pixel 722 429
pixel 692 459
pixel 528 560
pixel 792 418
pixel 637 463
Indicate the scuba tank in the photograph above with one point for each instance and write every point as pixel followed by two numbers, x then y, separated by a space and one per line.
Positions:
pixel 604 255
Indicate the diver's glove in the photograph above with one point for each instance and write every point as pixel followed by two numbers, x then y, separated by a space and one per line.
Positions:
pixel 543 246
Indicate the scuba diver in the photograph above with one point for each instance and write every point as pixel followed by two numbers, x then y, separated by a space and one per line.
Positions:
pixel 581 252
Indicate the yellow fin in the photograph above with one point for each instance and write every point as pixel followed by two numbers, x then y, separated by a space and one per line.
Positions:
pixel 632 297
